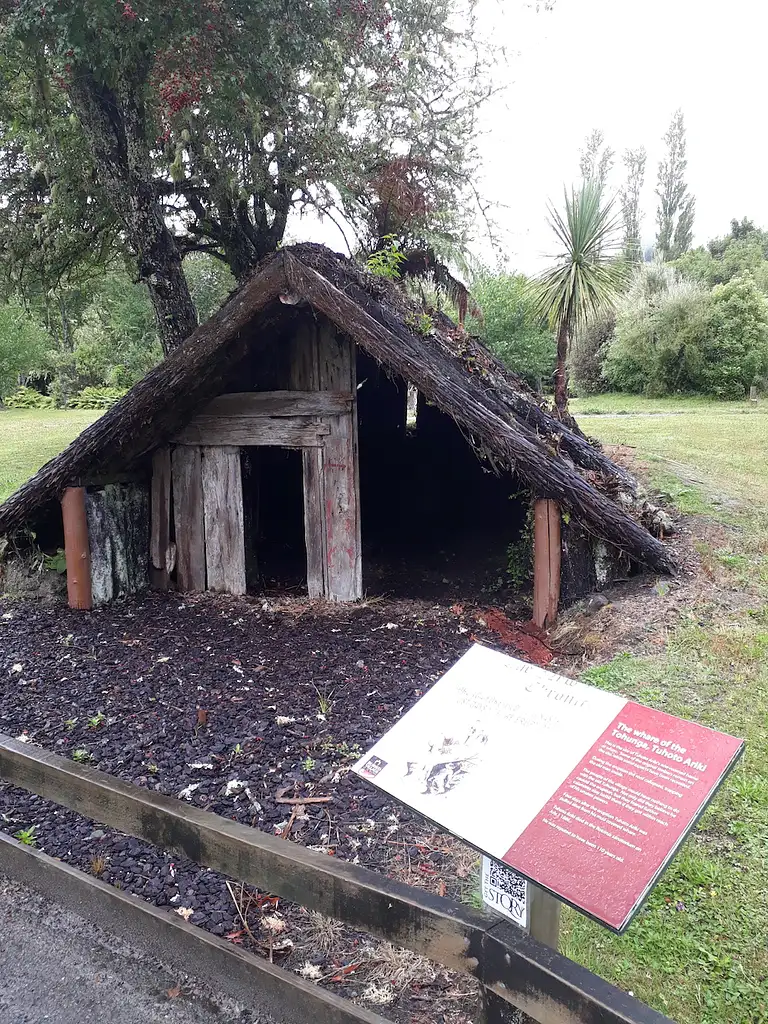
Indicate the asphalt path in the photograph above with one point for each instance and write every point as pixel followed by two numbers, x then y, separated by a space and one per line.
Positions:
pixel 56 967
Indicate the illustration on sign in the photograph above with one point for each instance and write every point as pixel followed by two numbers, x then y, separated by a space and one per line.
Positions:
pixel 505 891
pixel 582 791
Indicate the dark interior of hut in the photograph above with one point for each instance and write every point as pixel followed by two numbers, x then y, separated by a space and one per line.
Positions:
pixel 435 520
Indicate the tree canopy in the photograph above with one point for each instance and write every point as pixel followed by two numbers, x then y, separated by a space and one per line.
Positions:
pixel 200 125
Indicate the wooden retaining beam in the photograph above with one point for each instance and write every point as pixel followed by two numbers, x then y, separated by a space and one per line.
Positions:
pixel 77 550
pixel 512 965
pixel 183 946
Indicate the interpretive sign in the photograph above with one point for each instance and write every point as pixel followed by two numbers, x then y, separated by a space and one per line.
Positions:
pixel 586 793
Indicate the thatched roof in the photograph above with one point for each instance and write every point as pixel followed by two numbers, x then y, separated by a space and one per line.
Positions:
pixel 501 417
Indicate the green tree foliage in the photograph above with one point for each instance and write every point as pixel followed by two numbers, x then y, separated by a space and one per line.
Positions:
pixel 743 250
pixel 23 344
pixel 634 163
pixel 676 205
pixel 210 283
pixel 735 347
pixel 673 335
pixel 511 328
pixel 586 277
pixel 199 126
pixel 116 341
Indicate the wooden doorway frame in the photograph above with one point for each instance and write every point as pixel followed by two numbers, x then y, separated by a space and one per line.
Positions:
pixel 319 417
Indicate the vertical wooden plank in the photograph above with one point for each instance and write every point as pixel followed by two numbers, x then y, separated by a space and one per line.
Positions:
pixel 160 529
pixel 76 548
pixel 344 577
pixel 223 517
pixel 186 471
pixel 313 460
pixel 546 562
pixel 250 466
pixel 305 376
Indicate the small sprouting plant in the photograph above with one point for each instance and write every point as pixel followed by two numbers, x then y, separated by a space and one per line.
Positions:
pixel 80 755
pixel 28 836
pixel 56 563
pixel 98 865
pixel 308 764
pixel 70 724
pixel 386 262
pixel 97 720
pixel 237 749
pixel 324 702
pixel 422 323
pixel 152 768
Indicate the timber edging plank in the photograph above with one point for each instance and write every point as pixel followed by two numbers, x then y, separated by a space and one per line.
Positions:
pixel 513 965
pixel 162 934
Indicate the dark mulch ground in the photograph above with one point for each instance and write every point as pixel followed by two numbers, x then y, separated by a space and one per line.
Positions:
pixel 293 694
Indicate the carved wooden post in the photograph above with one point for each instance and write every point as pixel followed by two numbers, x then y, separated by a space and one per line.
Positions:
pixel 546 561
pixel 76 548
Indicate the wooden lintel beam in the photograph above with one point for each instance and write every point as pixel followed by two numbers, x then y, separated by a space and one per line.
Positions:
pixel 280 403
pixel 256 431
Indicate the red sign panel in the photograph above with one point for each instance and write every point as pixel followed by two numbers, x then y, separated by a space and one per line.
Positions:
pixel 608 832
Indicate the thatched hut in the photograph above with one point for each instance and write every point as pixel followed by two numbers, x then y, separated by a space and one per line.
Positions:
pixel 299 385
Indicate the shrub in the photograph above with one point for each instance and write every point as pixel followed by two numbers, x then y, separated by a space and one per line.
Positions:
pixel 511 329
pixel 96 398
pixel 28 398
pixel 656 324
pixel 673 335
pixel 587 355
pixel 735 349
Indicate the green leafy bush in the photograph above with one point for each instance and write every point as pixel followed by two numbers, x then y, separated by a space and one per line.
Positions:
pixel 673 335
pixel 510 327
pixel 735 347
pixel 28 398
pixel 587 355
pixel 96 398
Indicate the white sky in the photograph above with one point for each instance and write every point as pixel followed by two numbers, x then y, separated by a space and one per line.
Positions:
pixel 623 67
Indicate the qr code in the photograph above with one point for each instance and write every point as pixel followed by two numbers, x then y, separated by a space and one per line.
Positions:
pixel 507 881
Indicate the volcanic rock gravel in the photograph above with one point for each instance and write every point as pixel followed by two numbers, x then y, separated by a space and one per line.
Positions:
pixel 225 703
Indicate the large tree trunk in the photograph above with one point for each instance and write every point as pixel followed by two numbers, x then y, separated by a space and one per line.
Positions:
pixel 114 124
pixel 561 374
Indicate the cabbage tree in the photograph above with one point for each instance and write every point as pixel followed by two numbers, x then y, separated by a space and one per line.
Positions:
pixel 586 276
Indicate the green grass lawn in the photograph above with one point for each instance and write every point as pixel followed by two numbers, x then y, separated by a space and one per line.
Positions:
pixel 699 949
pixel 618 404
pixel 721 448
pixel 30 437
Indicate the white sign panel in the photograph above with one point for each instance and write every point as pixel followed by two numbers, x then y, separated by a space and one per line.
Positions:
pixel 584 792
pixel 505 891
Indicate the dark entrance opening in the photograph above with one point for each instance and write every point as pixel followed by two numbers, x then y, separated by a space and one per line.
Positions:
pixel 436 521
pixel 273 504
